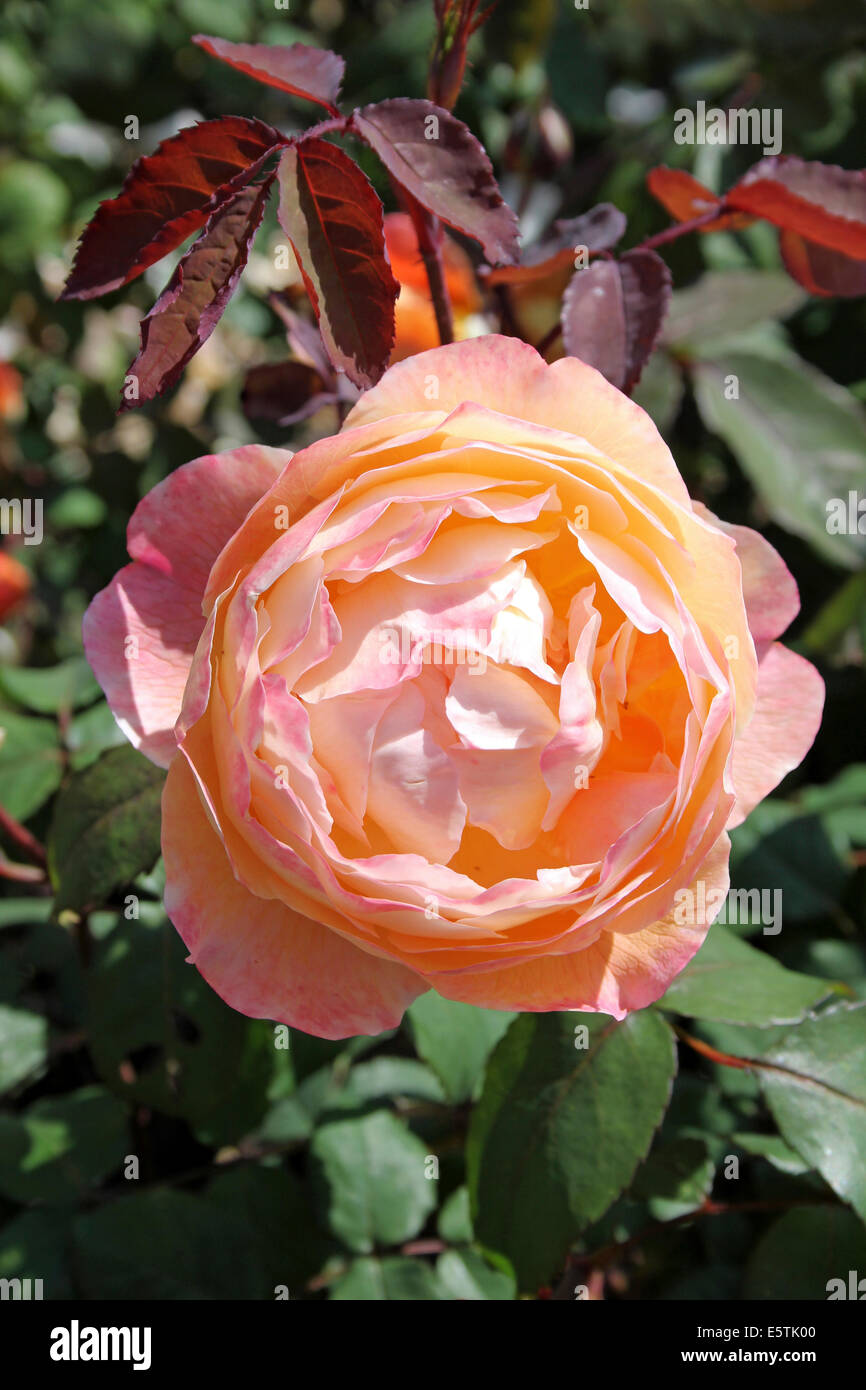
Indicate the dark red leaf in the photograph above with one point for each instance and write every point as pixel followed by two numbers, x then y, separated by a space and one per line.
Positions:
pixel 820 202
pixel 333 218
pixel 190 307
pixel 597 230
pixel 685 198
pixel 612 314
pixel 284 392
pixel 165 197
pixel 437 158
pixel 820 270
pixel 314 73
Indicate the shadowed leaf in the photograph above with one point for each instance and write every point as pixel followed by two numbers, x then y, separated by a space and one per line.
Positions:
pixel 284 392
pixel 596 230
pixel 612 314
pixel 191 305
pixel 308 72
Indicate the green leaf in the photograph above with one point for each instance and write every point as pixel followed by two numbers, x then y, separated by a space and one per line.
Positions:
pixel 560 1130
pixel 90 733
pixel 803 1251
pixel 729 981
pixel 400 1278
pixel 816 1090
pixel 466 1275
pixel 23 1045
pixel 675 1178
pixel 383 1078
pixel 163 1245
pixel 372 1178
pixel 50 689
pixel 61 1147
pixel 274 1209
pixel 105 828
pixel 660 390
pixel 33 1246
pixel 31 763
pixel 799 437
pixel 785 849
pixel 159 1035
pixel 725 303
pixel 455 1221
pixel 456 1040
pixel 774 1150
pixel 21 912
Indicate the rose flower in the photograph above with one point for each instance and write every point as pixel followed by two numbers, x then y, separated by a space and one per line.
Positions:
pixel 462 698
pixel 415 321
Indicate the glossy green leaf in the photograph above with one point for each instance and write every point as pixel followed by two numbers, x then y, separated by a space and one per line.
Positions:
pixel 398 1277
pixel 729 981
pixel 816 1088
pixel 31 763
pixel 799 437
pixel 456 1040
pixel 105 828
pixel 50 689
pixel 467 1276
pixel 23 1045
pixel 162 1037
pixel 560 1129
pixel 803 1252
pixel 372 1178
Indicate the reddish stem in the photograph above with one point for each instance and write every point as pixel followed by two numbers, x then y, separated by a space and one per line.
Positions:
pixel 21 836
pixel 679 229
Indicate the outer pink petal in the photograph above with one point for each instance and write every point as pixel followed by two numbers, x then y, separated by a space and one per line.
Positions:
pixel 769 588
pixel 175 534
pixel 182 524
pixel 509 376
pixel 782 729
pixel 262 958
pixel 140 634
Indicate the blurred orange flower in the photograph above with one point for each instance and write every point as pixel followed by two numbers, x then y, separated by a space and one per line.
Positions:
pixel 14 583
pixel 415 320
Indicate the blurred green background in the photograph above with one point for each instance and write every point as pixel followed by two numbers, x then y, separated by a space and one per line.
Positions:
pixel 304 1168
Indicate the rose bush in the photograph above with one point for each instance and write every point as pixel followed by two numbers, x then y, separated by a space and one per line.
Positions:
pixel 461 697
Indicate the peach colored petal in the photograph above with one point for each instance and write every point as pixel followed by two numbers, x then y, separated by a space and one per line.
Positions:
pixel 262 958
pixel 510 377
pixel 413 792
pixel 613 976
pixel 782 730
